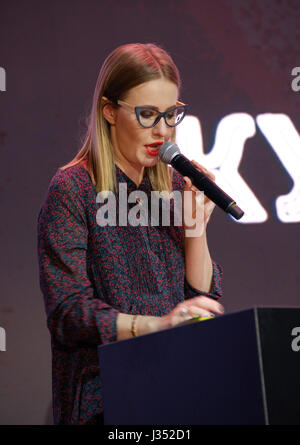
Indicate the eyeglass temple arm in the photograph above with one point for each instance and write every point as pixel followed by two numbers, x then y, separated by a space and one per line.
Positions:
pixel 132 107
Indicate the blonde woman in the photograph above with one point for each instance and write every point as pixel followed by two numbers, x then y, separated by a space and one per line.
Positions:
pixel 103 283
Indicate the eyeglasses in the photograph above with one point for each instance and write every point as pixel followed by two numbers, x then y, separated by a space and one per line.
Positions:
pixel 148 116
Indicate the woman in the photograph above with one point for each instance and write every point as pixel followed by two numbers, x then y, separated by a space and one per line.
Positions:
pixel 103 283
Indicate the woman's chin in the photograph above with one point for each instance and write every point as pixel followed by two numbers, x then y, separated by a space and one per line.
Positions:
pixel 150 161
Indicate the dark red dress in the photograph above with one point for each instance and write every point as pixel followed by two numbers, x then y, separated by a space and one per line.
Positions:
pixel 89 273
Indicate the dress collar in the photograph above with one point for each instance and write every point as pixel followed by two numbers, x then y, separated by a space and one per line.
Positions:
pixel 145 184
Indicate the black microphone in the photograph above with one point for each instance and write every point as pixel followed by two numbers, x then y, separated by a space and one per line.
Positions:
pixel 170 154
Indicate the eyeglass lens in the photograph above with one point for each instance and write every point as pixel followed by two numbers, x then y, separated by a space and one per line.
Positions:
pixel 147 117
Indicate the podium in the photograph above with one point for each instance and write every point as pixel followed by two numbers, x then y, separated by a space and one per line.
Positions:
pixel 241 368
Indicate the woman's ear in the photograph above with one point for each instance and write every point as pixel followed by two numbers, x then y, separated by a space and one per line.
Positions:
pixel 108 110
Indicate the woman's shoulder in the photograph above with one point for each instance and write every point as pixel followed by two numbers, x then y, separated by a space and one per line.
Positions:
pixel 68 188
pixel 72 177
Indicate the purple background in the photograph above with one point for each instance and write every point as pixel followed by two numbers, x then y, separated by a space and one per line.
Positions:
pixel 233 56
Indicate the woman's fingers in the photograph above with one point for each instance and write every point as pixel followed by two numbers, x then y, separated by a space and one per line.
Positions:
pixel 204 170
pixel 201 306
pixel 198 306
pixel 196 311
pixel 206 303
pixel 188 182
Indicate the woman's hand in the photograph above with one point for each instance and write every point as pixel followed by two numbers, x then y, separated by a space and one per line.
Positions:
pixel 201 306
pixel 197 208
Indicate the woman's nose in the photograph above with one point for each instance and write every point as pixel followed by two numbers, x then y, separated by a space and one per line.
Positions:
pixel 161 128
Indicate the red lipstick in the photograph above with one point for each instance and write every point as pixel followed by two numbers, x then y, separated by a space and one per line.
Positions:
pixel 152 152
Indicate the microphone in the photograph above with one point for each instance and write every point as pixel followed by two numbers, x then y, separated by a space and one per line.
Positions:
pixel 170 154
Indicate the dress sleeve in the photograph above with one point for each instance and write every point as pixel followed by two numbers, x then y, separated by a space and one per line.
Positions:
pixel 74 314
pixel 216 285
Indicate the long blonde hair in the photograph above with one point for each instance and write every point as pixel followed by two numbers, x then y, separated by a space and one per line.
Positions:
pixel 125 68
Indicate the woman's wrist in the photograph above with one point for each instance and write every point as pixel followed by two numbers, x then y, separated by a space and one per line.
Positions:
pixel 147 324
pixel 129 326
pixel 124 322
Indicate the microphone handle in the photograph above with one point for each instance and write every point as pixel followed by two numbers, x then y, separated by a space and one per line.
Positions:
pixel 205 184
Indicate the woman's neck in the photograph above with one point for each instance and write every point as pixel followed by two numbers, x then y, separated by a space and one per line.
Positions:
pixel 135 174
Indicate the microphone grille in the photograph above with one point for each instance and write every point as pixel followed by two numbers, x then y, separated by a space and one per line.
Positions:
pixel 167 152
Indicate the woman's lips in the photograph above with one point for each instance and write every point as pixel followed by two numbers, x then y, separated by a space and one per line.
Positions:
pixel 153 149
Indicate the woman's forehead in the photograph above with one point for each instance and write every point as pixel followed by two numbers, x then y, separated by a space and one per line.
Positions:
pixel 157 92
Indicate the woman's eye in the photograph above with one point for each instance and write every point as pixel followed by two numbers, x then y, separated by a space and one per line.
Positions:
pixel 147 114
pixel 171 115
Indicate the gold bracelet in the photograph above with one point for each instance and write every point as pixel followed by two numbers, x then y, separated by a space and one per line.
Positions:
pixel 133 326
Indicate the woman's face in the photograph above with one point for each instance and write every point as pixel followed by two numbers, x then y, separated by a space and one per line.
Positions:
pixel 130 140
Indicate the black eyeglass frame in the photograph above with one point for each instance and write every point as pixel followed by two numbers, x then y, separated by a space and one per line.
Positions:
pixel 138 110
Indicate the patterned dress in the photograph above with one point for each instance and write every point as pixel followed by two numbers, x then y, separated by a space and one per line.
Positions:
pixel 89 273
